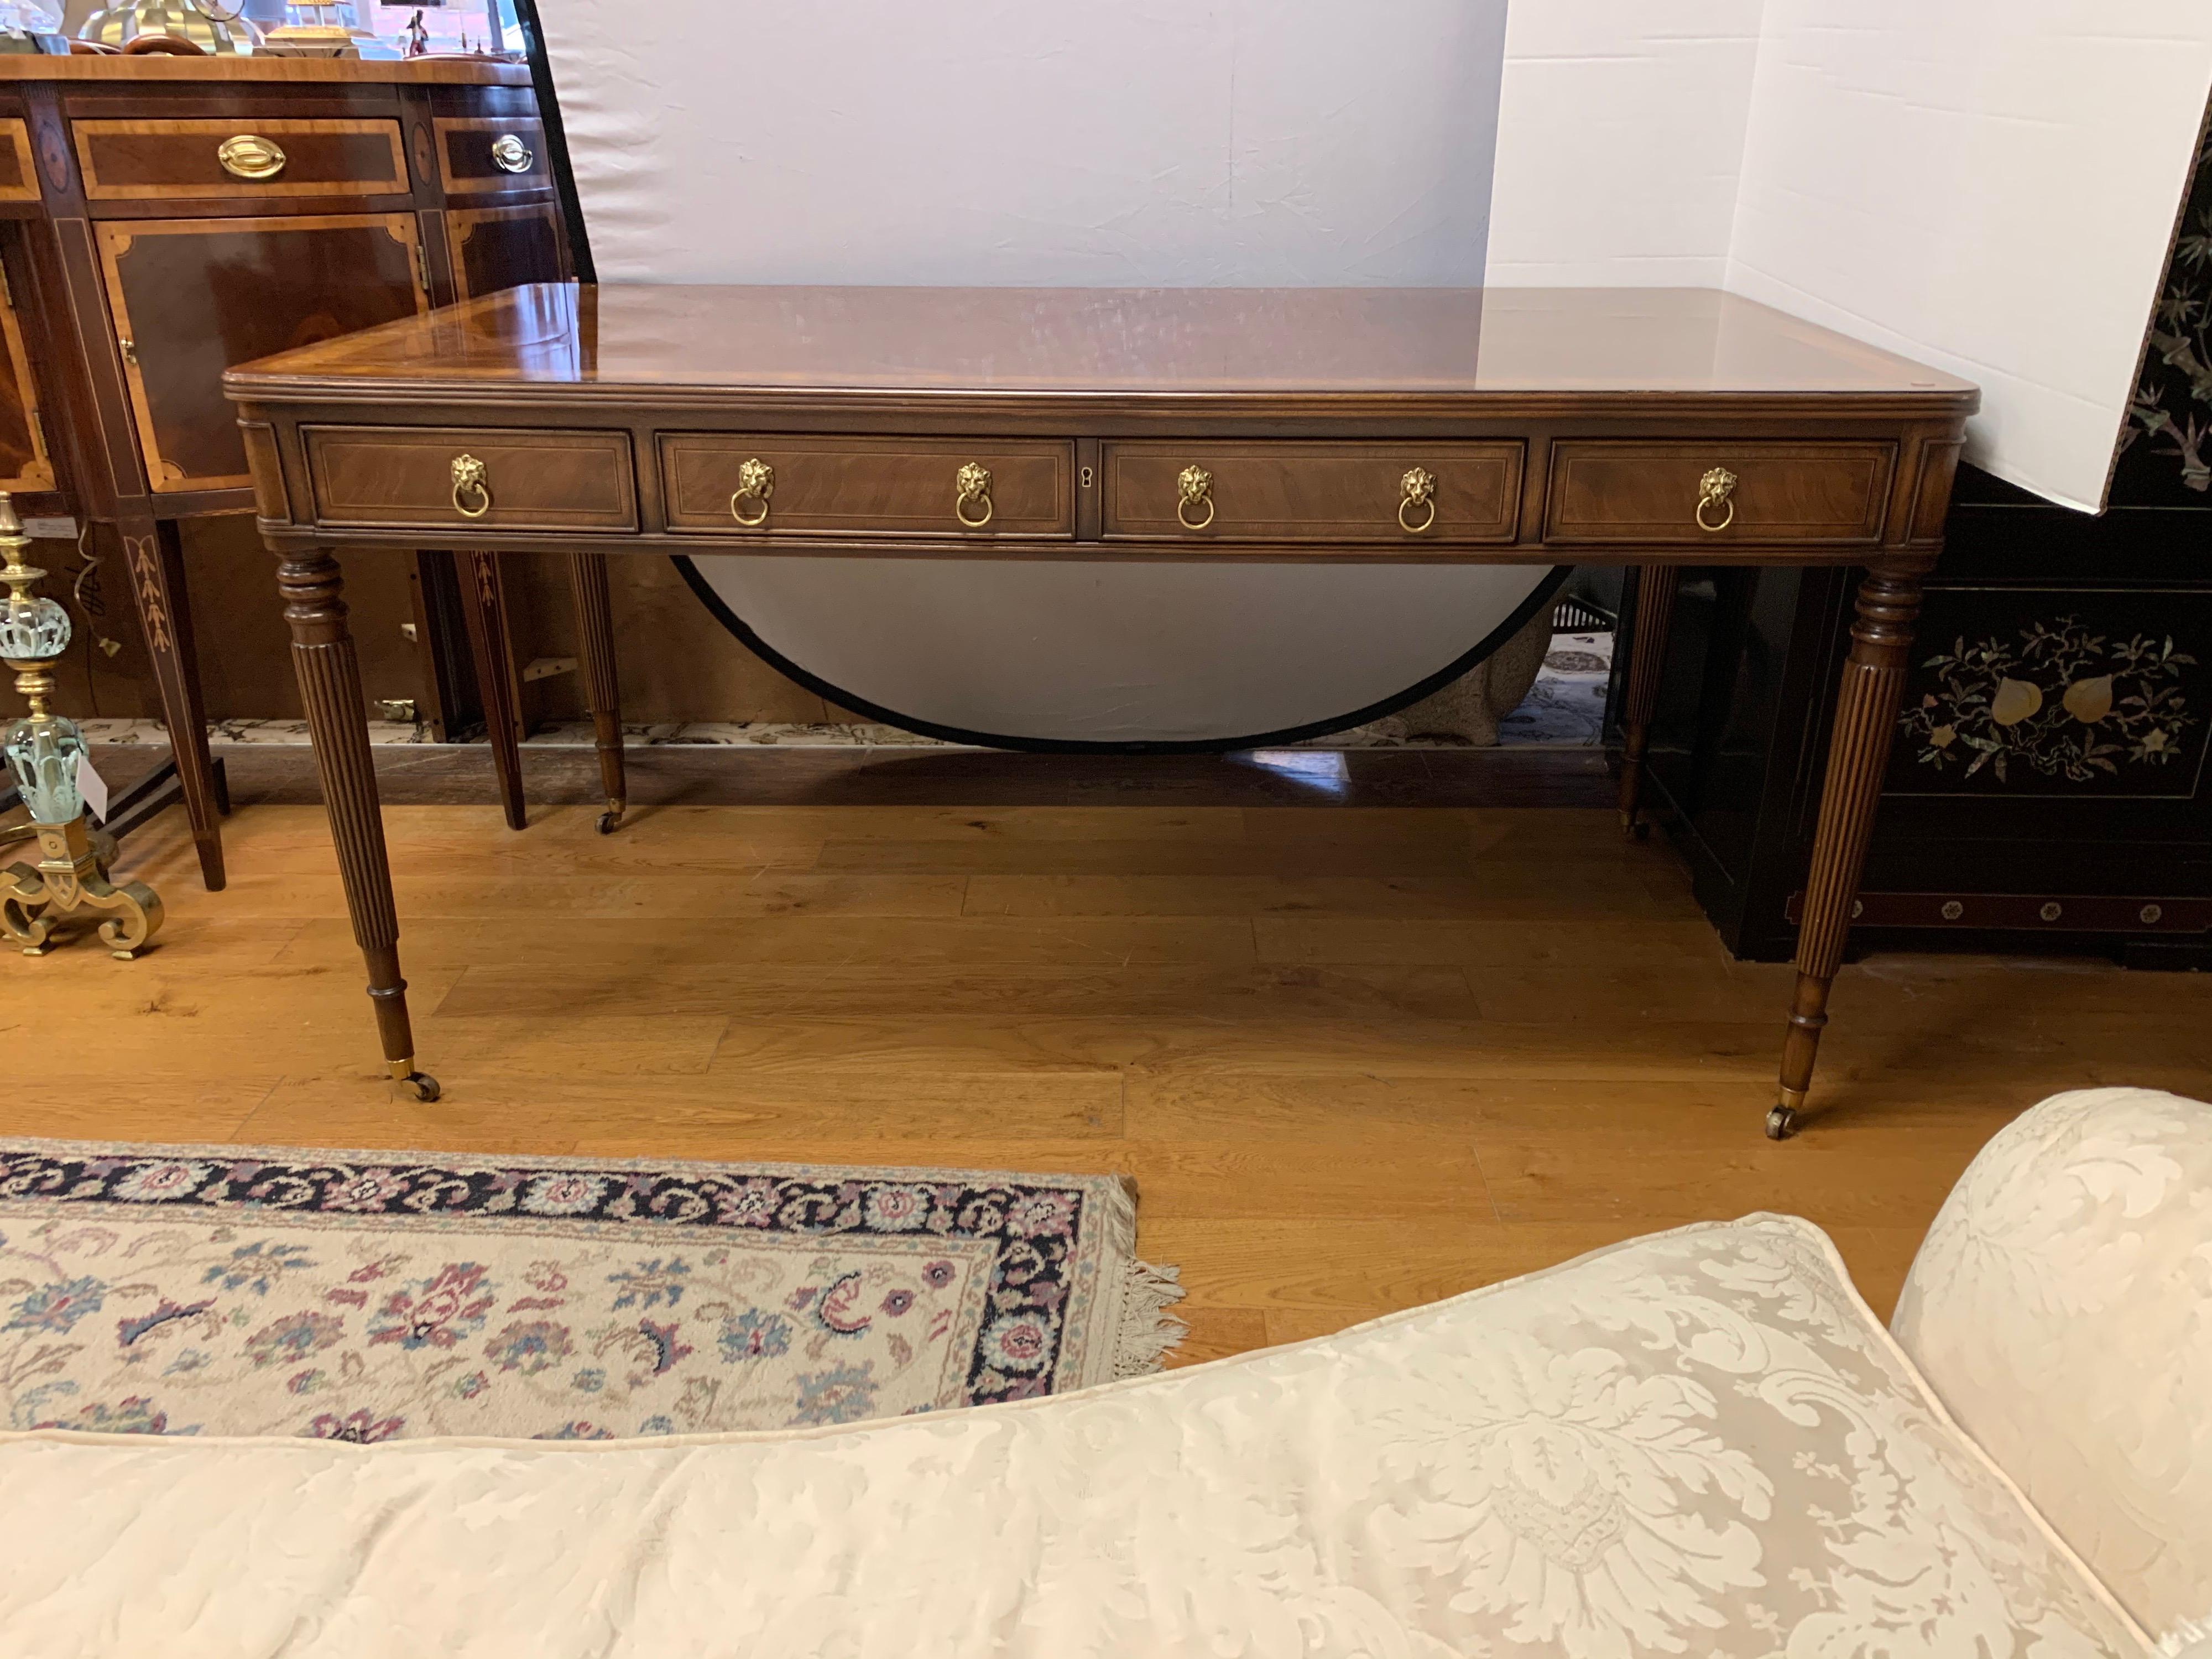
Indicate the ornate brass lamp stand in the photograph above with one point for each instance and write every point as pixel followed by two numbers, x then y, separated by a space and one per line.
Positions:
pixel 43 750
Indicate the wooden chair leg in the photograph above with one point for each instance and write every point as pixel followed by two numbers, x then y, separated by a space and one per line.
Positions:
pixel 595 629
pixel 152 552
pixel 483 607
pixel 1656 588
pixel 1858 754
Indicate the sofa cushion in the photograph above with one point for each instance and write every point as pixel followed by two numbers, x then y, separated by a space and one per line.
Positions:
pixel 1699 1442
pixel 2061 1307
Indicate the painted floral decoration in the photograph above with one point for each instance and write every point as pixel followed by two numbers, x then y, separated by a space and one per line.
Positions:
pixel 2062 701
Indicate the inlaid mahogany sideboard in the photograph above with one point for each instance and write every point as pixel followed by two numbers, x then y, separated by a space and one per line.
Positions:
pixel 163 217
pixel 1641 427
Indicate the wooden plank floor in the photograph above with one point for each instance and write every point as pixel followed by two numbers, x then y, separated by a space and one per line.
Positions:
pixel 1356 1058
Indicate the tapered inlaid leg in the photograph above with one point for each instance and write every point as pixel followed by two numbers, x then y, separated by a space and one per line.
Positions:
pixel 153 553
pixel 1858 754
pixel 1656 586
pixel 338 721
pixel 483 605
pixel 595 627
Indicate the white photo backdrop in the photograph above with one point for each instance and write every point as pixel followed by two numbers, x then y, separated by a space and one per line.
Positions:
pixel 1121 143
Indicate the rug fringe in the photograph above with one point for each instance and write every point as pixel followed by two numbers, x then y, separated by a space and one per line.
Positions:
pixel 1149 1332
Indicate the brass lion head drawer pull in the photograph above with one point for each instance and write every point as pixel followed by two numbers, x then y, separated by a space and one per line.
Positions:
pixel 973 484
pixel 1193 487
pixel 249 156
pixel 1716 489
pixel 469 482
pixel 756 484
pixel 1417 493
pixel 510 155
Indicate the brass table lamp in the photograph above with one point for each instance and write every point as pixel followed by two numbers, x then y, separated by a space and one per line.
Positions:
pixel 44 750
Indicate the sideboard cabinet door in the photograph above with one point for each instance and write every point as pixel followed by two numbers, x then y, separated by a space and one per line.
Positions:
pixel 25 465
pixel 191 297
pixel 503 247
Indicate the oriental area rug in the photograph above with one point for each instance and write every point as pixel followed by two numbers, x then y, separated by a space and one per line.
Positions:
pixel 376 1296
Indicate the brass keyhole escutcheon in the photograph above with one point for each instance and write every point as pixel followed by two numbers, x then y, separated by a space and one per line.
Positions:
pixel 249 156
pixel 510 155
pixel 1417 493
pixel 468 482
pixel 1716 489
pixel 1193 487
pixel 756 484
pixel 971 485
pixel 1088 476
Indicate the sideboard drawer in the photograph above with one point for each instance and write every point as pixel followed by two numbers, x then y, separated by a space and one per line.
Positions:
pixel 1605 492
pixel 442 478
pixel 774 484
pixel 247 156
pixel 1294 491
pixel 490 155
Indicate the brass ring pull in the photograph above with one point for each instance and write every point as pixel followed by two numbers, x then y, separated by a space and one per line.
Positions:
pixel 469 479
pixel 1416 488
pixel 510 155
pixel 249 156
pixel 1716 489
pixel 974 485
pixel 756 484
pixel 1194 485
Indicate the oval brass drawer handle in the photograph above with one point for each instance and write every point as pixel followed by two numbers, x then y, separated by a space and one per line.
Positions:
pixel 510 155
pixel 249 156
pixel 973 484
pixel 1418 489
pixel 469 480
pixel 1194 487
pixel 756 484
pixel 1716 489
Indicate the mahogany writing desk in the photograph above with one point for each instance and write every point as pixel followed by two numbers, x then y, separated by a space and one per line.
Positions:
pixel 1655 428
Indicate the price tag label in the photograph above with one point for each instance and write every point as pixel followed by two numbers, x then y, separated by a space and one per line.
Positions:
pixel 91 786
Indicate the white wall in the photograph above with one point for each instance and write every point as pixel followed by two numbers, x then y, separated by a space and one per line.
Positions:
pixel 1121 142
pixel 1623 132
pixel 1987 185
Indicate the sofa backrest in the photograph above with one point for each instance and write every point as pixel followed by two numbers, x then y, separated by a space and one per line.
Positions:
pixel 2061 1307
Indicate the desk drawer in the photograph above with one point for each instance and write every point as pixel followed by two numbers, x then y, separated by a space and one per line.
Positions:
pixel 845 486
pixel 423 476
pixel 1393 493
pixel 1651 493
pixel 242 156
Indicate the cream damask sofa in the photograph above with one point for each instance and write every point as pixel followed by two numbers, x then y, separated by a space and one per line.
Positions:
pixel 1700 1442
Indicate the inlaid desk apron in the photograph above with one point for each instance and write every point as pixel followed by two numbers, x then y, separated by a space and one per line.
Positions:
pixel 1654 428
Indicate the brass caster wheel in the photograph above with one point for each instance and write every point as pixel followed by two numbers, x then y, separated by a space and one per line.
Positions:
pixel 608 822
pixel 1781 1123
pixel 421 1085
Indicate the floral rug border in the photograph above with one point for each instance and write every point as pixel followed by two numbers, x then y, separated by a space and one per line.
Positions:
pixel 1054 1235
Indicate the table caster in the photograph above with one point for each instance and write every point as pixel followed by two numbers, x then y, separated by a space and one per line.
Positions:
pixel 610 820
pixel 1781 1123
pixel 420 1085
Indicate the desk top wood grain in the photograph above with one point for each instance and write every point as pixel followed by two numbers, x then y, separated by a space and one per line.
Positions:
pixel 1692 345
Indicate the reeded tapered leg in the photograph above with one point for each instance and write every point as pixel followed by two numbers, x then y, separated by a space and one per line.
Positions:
pixel 1858 754
pixel 1656 586
pixel 152 552
pixel 595 629
pixel 338 721
pixel 484 606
